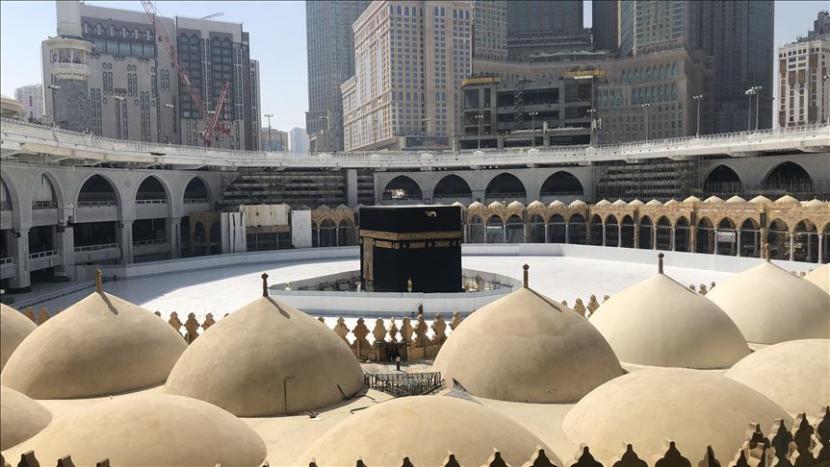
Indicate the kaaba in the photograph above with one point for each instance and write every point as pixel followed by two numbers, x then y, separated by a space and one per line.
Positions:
pixel 411 248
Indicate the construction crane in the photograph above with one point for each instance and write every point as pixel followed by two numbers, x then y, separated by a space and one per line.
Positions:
pixel 212 124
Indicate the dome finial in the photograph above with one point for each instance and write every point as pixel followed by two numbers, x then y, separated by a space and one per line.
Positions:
pixel 99 280
pixel 264 284
pixel 525 276
pixel 660 263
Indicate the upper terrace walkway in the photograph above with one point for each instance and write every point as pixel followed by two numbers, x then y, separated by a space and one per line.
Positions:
pixel 21 139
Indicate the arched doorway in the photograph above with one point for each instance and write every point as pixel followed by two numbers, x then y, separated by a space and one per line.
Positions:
pixel 561 183
pixel 514 230
pixel 805 242
pixel 475 230
pixel 452 187
pixel 43 194
pixel 705 236
pixel 612 231
pixel 788 178
pixel 402 188
pixel 825 244
pixel 749 238
pixel 646 233
pixel 200 240
pixel 723 182
pixel 196 192
pixel 495 230
pixel 151 191
pixel 682 235
pixel 346 233
pixel 664 234
pixel 627 232
pixel 315 235
pixel 328 233
pixel 556 229
pixel 5 197
pixel 595 229
pixel 505 187
pixel 727 238
pixel 577 229
pixel 215 238
pixel 97 191
pixel 537 229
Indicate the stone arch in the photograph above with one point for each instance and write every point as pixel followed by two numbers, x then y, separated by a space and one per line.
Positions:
pixel 646 233
pixel 536 229
pixel 577 229
pixel 494 230
pixel 627 232
pixel 750 238
pixel 722 181
pixel 612 231
pixel 452 186
pixel 514 229
pixel 778 236
pixel 805 241
pixel 663 234
pixel 475 229
pixel 197 190
pixel 705 236
pixel 57 198
pixel 788 177
pixel 402 188
pixel 727 238
pixel 594 232
pixel 327 233
pixel 682 234
pixel 562 183
pixel 505 186
pixel 93 190
pixel 346 232
pixel 148 190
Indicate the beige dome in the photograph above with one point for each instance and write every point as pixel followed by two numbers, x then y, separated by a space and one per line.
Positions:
pixel 578 204
pixel 619 202
pixel 786 199
pixel 14 327
pixel 662 323
pixel 525 347
pixel 476 205
pixel 735 200
pixel 770 305
pixel 496 205
pixel 820 277
pixel 654 202
pixel 149 430
pixel 515 205
pixel 636 203
pixel 603 202
pixel 262 348
pixel 425 429
pixel 713 200
pixel 672 202
pixel 100 345
pixel 760 199
pixel 691 200
pixel 694 408
pixel 557 204
pixel 536 204
pixel 20 417
pixel 459 204
pixel 813 203
pixel 793 374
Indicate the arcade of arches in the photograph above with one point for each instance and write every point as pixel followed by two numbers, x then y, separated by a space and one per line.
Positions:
pixel 797 231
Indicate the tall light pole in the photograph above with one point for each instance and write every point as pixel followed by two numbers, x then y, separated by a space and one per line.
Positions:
pixel 270 143
pixel 757 103
pixel 749 93
pixel 533 128
pixel 647 108
pixel 592 113
pixel 479 118
pixel 697 99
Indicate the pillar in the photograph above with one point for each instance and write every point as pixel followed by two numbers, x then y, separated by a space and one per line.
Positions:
pixel 637 234
pixel 792 246
pixel 567 233
pixel 809 258
pixel 351 188
pixel 763 240
pixel 673 239
pixel 715 240
pixel 738 242
pixel 504 233
pixel 125 241
pixel 603 234
pixel 65 243
pixel 693 239
pixel 172 229
pixel 19 245
pixel 654 236
pixel 619 235
pixel 820 248
pixel 546 233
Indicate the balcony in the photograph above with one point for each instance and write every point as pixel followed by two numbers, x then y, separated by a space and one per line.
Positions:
pixel 44 260
pixel 96 211
pixel 150 247
pixel 96 253
pixel 150 208
pixel 7 268
pixel 44 213
pixel 196 205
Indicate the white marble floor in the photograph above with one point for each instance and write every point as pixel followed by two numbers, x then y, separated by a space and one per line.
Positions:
pixel 223 290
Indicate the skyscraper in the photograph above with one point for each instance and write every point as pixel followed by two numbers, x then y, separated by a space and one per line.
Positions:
pixel 31 97
pixel 298 141
pixel 604 24
pixel 490 29
pixel 410 59
pixel 648 26
pixel 330 46
pixel 803 77
pixel 538 26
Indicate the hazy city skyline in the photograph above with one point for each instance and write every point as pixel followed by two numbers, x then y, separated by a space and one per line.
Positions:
pixel 278 41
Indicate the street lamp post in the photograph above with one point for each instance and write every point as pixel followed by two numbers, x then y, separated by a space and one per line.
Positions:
pixel 697 99
pixel 757 104
pixel 647 108
pixel 594 126
pixel 753 91
pixel 270 143
pixel 533 128
pixel 479 118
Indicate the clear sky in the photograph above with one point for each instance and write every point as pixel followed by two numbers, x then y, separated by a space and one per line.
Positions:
pixel 278 41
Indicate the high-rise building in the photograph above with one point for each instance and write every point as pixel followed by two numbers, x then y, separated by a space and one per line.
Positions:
pixel 330 44
pixel 542 27
pixel 821 26
pixel 31 97
pixel 410 59
pixel 490 29
pixel 804 85
pixel 106 72
pixel 274 140
pixel 604 24
pixel 736 37
pixel 298 141
pixel 256 103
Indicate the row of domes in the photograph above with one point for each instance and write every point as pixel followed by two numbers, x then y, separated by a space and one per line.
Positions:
pixel 269 359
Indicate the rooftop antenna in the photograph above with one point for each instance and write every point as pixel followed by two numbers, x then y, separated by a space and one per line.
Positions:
pixel 99 281
pixel 264 284
pixel 660 263
pixel 525 276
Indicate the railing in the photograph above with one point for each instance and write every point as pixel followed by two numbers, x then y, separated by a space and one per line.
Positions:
pixel 403 384
pixel 195 201
pixel 157 241
pixel 230 157
pixel 103 246
pixel 97 203
pixel 43 254
pixel 8 260
pixel 44 205
pixel 151 201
